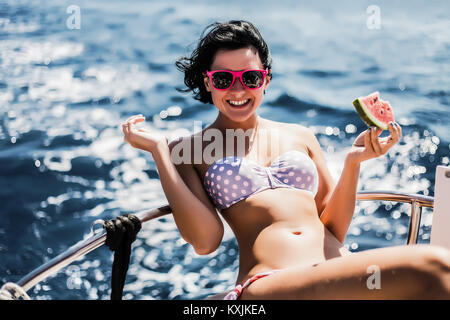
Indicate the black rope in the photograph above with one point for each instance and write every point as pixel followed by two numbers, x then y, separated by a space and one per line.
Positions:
pixel 120 234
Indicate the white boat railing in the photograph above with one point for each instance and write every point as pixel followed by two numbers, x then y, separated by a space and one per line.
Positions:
pixel 97 239
pixel 417 202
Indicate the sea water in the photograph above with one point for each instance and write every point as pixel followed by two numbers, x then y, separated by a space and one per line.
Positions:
pixel 71 73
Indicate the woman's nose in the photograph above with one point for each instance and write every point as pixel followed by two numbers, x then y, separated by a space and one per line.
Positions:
pixel 237 85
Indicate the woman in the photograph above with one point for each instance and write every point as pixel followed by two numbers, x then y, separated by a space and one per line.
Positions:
pixel 289 217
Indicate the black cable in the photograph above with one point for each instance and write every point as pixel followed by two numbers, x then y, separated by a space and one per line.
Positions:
pixel 120 234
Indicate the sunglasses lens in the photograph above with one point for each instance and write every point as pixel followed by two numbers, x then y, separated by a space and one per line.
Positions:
pixel 253 79
pixel 222 80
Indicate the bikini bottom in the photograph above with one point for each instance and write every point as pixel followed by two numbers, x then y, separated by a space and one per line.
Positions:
pixel 236 293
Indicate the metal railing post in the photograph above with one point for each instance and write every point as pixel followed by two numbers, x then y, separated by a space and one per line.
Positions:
pixel 414 224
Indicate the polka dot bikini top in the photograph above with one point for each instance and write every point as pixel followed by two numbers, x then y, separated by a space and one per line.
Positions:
pixel 233 179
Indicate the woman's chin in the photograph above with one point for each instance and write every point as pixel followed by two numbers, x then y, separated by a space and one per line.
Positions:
pixel 240 116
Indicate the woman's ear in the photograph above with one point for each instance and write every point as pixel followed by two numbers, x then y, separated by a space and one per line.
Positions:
pixel 206 82
pixel 268 78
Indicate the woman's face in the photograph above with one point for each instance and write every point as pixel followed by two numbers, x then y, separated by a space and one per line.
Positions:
pixel 237 60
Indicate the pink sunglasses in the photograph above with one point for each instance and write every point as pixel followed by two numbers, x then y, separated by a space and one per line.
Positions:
pixel 224 79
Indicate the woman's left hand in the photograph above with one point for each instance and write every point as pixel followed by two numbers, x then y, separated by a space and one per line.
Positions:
pixel 368 145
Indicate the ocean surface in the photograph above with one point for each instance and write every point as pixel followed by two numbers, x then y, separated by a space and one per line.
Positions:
pixel 67 84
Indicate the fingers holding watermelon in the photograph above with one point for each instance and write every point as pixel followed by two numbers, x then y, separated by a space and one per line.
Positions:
pixel 396 133
pixel 374 141
pixel 369 144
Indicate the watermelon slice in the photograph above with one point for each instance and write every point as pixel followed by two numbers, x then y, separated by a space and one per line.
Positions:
pixel 374 111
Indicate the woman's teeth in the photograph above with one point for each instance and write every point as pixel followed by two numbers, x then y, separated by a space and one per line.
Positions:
pixel 238 103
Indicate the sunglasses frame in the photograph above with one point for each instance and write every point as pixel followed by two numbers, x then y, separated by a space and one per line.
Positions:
pixel 237 74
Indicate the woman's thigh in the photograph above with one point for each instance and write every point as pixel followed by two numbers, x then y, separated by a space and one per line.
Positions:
pixel 388 273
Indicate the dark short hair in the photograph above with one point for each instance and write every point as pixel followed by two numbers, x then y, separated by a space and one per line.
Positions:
pixel 231 35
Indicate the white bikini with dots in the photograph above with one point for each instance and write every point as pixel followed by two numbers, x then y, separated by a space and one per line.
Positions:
pixel 233 179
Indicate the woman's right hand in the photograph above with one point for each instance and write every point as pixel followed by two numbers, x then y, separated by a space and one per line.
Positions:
pixel 141 138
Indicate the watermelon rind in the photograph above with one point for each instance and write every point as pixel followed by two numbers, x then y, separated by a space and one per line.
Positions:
pixel 366 116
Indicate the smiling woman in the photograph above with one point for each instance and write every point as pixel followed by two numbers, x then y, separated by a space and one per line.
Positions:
pixel 288 215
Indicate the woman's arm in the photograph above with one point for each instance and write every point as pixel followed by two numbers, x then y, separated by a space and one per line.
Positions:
pixel 339 201
pixel 195 216
pixel 339 210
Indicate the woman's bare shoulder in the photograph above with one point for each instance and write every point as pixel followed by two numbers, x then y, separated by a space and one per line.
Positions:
pixel 293 127
pixel 298 132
